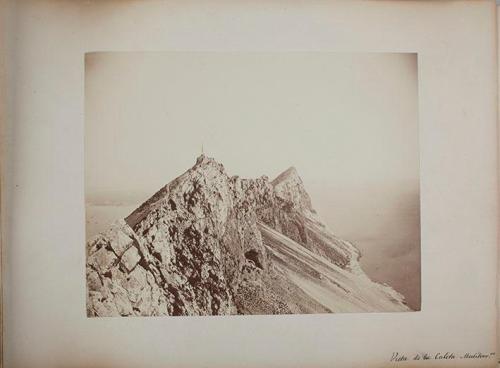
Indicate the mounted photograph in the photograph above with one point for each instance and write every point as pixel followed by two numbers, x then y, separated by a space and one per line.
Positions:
pixel 245 183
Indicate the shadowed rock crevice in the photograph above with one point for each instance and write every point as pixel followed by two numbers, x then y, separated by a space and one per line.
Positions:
pixel 253 256
pixel 210 244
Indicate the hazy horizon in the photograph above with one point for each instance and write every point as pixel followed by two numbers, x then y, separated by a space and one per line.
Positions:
pixel 347 122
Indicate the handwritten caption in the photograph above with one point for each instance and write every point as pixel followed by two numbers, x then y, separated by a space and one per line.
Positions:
pixel 398 357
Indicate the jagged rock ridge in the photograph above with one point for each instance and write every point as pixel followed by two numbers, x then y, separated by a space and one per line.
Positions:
pixel 211 244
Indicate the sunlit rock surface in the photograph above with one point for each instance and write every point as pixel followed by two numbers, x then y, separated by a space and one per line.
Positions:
pixel 212 244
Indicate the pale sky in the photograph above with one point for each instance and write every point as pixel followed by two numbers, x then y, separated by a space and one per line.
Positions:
pixel 347 122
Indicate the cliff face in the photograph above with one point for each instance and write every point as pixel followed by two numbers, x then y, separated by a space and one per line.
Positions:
pixel 210 244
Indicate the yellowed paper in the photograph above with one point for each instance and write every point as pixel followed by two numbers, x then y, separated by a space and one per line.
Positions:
pixel 45 320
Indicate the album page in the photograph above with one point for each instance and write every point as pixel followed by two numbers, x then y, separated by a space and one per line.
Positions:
pixel 251 184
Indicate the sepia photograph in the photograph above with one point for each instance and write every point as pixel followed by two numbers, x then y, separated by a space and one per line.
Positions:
pixel 245 183
pixel 278 184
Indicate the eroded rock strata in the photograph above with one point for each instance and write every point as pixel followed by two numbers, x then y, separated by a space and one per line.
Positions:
pixel 211 244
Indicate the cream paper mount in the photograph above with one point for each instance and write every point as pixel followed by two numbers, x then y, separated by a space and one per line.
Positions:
pixel 44 257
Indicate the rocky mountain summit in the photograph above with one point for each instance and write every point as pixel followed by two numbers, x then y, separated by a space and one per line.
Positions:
pixel 210 244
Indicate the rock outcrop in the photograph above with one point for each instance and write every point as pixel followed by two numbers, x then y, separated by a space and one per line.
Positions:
pixel 211 244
